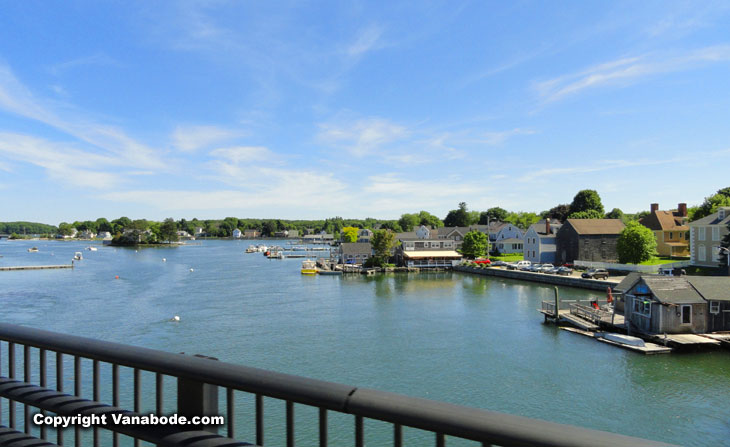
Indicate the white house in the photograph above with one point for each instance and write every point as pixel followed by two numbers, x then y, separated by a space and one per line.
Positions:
pixel 87 234
pixel 237 234
pixel 705 237
pixel 507 231
pixel 105 235
pixel 364 235
pixel 539 242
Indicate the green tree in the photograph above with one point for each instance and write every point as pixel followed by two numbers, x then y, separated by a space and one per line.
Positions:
pixel 382 242
pixel 712 203
pixel 588 214
pixel 615 214
pixel 103 225
pixel 476 244
pixel 458 217
pixel 408 221
pixel 121 224
pixel 585 200
pixel 65 229
pixel 560 212
pixel 725 243
pixel 522 219
pixel 635 244
pixel 473 217
pixel 349 234
pixel 495 214
pixel 168 230
pixel 429 220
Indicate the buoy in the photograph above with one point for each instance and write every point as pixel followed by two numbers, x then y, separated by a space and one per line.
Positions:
pixel 191 270
pixel 175 318
pixel 116 277
pixel 164 259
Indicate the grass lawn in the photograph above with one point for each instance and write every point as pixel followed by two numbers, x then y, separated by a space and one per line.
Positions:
pixel 508 258
pixel 661 260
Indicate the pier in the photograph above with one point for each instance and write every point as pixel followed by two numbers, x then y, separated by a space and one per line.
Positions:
pixel 38 267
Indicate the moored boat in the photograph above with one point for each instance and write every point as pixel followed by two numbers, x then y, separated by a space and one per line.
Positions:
pixel 78 256
pixel 309 267
pixel 33 250
pixel 624 339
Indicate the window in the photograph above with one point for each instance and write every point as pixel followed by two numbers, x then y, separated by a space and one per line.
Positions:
pixel 703 234
pixel 642 306
pixel 686 314
pixel 702 253
pixel 716 253
pixel 715 233
pixel 670 235
pixel 714 307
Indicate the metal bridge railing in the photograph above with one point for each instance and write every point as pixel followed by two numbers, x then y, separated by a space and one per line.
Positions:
pixel 198 380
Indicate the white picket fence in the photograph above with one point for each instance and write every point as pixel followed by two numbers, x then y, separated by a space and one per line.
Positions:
pixel 630 267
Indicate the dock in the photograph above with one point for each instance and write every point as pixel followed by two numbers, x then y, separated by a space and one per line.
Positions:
pixel 38 267
pixel 570 281
pixel 648 348
pixel 685 340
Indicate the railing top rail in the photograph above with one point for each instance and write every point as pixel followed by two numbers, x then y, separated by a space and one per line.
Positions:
pixel 470 423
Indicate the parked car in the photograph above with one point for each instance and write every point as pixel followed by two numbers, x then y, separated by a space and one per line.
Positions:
pixel 669 271
pixel 482 261
pixel 595 274
pixel 545 268
pixel 519 265
pixel 535 268
pixel 498 263
pixel 567 271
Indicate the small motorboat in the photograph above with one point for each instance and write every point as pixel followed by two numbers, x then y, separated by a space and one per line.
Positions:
pixel 309 267
pixel 33 250
pixel 78 256
pixel 624 339
pixel 330 272
pixel 92 248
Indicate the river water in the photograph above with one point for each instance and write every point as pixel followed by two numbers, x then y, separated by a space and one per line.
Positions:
pixel 453 337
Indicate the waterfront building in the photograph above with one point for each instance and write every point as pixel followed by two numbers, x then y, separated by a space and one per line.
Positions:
pixel 539 241
pixel 706 235
pixel 355 252
pixel 237 234
pixel 292 234
pixel 656 304
pixel 588 240
pixel 251 233
pixel 670 230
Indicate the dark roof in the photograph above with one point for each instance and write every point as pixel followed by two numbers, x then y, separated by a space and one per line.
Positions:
pixel 539 227
pixel 664 220
pixel 714 219
pixel 672 289
pixel 628 282
pixel 596 226
pixel 712 288
pixel 356 248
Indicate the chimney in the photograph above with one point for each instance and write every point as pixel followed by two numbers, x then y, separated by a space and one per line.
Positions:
pixel 547 225
pixel 682 209
pixel 654 207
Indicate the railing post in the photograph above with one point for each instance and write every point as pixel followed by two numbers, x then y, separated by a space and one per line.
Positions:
pixel 196 398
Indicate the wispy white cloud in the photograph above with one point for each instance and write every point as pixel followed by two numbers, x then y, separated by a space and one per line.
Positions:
pixel 246 154
pixel 626 71
pixel 497 138
pixel 367 40
pixel 63 163
pixel 363 137
pixel 16 98
pixel 193 138
pixel 94 59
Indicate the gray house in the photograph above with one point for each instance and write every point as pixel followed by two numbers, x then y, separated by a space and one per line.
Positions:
pixel 355 252
pixel 705 236
pixel 539 241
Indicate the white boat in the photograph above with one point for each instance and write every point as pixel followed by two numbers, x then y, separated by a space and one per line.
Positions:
pixel 252 249
pixel 624 339
pixel 78 256
pixel 91 248
pixel 33 250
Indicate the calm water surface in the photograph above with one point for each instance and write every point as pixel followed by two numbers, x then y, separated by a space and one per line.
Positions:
pixel 452 337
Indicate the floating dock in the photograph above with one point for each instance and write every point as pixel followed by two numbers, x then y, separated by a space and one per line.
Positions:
pixel 648 348
pixel 37 267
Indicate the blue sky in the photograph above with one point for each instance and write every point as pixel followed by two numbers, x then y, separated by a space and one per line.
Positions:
pixel 356 109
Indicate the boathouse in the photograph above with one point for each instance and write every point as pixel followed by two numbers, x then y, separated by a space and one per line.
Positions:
pixel 676 305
